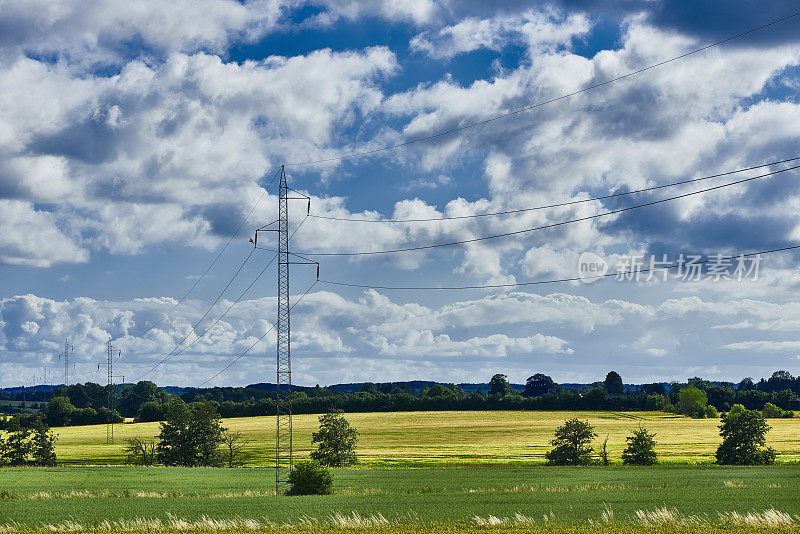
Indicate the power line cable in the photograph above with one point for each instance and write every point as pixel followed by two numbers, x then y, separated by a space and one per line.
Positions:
pixel 175 352
pixel 234 303
pixel 548 206
pixel 544 103
pixel 544 227
pixel 242 355
pixel 194 327
pixel 554 281
pixel 213 262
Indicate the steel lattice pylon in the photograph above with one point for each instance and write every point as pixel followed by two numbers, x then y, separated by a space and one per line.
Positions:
pixel 110 393
pixel 283 400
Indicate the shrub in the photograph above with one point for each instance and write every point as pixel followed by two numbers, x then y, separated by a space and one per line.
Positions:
pixel 743 434
pixel 640 449
pixel 571 445
pixel 310 478
pixel 770 411
pixel 711 412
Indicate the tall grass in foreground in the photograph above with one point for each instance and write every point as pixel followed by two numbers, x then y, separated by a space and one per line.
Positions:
pixel 655 520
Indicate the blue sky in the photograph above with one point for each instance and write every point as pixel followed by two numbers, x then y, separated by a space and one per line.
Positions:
pixel 136 139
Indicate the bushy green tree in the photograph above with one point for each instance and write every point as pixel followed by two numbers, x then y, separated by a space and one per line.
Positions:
pixel 336 441
pixel 18 445
pixel 151 411
pixel 613 383
pixel 692 402
pixel 770 411
pixel 310 478
pixel 744 438
pixel 43 450
pixel 572 443
pixel 206 427
pixel 59 411
pixel 190 436
pixel 640 449
pixel 499 386
pixel 540 384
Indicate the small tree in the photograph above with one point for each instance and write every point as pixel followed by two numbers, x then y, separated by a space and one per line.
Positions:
pixel 310 478
pixel 744 439
pixel 640 449
pixel 18 445
pixel 176 446
pixel 206 427
pixel 3 449
pixel 604 453
pixel 692 402
pixel 140 451
pixel 571 445
pixel 499 386
pixel 43 446
pixel 613 383
pixel 232 448
pixel 336 441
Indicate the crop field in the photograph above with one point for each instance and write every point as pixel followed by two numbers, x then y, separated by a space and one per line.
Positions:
pixel 419 439
pixel 485 497
pixel 420 472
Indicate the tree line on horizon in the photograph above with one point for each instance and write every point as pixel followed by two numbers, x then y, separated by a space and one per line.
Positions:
pixel 82 404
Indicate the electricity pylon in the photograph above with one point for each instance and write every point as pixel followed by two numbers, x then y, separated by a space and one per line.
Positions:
pixel 112 395
pixel 68 351
pixel 283 389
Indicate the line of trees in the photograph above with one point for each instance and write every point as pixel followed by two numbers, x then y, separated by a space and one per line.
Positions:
pixel 82 404
pixel 743 435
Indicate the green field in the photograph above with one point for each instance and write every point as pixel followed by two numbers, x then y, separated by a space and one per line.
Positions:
pixel 421 472
pixel 419 439
pixel 87 496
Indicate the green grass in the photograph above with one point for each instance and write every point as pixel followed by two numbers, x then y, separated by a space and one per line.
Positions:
pixel 446 496
pixel 419 439
pixel 468 466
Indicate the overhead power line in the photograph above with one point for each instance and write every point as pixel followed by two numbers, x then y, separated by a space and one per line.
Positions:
pixel 543 103
pixel 213 262
pixel 548 206
pixel 194 327
pixel 251 347
pixel 554 281
pixel 221 317
pixel 546 226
